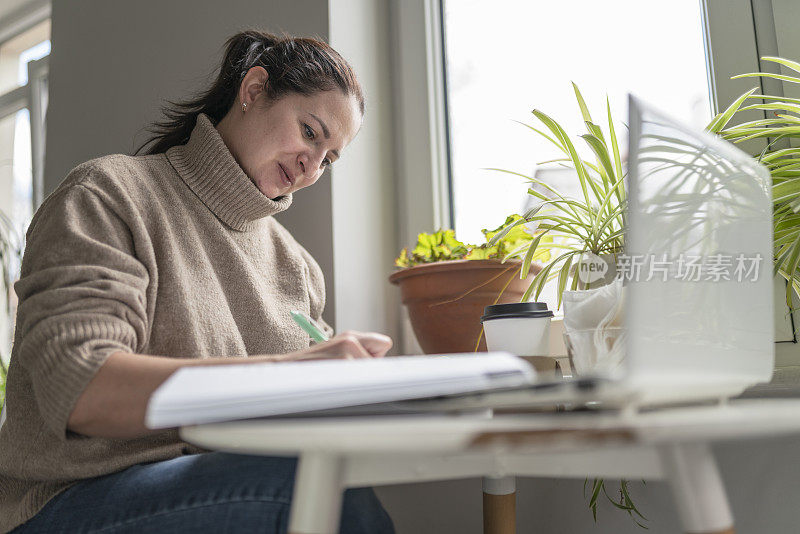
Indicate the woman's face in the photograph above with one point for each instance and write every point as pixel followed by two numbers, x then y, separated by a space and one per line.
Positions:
pixel 285 145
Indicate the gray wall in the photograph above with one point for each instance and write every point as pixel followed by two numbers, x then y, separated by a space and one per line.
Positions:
pixel 114 63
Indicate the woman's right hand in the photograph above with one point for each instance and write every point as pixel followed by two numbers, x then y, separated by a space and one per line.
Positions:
pixel 347 346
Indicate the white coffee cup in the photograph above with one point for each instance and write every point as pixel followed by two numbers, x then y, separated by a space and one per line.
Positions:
pixel 521 328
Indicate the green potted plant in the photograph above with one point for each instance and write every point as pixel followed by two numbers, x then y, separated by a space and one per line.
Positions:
pixel 446 284
pixel 781 131
pixel 581 229
pixel 593 224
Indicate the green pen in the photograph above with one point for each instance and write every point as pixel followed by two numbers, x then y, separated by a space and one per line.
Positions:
pixel 307 324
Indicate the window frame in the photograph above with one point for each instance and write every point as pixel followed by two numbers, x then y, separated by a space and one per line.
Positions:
pixel 736 33
pixel 32 96
pixel 423 162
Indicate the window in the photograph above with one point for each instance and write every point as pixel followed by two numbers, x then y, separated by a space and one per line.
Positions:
pixel 506 57
pixel 732 34
pixel 23 103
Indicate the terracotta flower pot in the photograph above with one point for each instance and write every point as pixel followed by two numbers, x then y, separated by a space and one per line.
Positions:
pixel 445 300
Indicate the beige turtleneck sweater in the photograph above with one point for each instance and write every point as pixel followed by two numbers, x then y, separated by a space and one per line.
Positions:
pixel 172 254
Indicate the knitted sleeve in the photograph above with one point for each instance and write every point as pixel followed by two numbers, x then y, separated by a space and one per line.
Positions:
pixel 316 290
pixel 81 298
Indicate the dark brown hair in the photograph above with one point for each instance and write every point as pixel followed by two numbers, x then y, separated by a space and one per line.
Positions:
pixel 293 64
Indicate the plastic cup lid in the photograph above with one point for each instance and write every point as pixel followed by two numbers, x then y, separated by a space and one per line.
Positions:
pixel 516 309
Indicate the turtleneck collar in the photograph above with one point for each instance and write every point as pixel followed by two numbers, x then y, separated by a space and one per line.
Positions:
pixel 209 169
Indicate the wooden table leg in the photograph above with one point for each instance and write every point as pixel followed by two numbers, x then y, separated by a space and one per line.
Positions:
pixel 317 500
pixel 697 488
pixel 499 505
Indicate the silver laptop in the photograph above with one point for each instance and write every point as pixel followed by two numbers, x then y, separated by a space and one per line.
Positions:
pixel 699 311
pixel 709 332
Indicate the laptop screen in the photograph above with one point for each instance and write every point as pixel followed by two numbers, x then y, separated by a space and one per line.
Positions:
pixel 698 258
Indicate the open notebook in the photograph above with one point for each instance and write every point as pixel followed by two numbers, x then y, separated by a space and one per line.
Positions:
pixel 207 394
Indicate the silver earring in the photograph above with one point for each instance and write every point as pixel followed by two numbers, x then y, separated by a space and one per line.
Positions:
pixel 244 107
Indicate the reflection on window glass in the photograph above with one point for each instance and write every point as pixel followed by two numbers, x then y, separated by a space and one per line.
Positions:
pixel 507 57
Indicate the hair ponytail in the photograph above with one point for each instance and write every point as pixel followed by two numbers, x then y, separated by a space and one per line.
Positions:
pixel 293 64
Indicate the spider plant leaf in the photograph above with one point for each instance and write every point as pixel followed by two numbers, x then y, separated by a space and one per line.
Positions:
pixel 720 121
pixel 782 77
pixel 785 191
pixel 528 178
pixel 598 485
pixel 526 262
pixel 621 504
pixel 769 106
pixel 785 174
pixel 788 118
pixel 536 194
pixel 785 239
pixel 780 154
pixel 741 129
pixel 563 276
pixel 606 206
pixel 789 166
pixel 573 228
pixel 770 132
pixel 610 220
pixel 620 190
pixel 560 134
pixel 618 235
pixel 582 103
pixel 794 258
pixel 794 65
pixel 776 98
pixel 595 130
pixel 558 160
pixel 628 500
pixel 538 131
pixel 539 280
pixel 601 152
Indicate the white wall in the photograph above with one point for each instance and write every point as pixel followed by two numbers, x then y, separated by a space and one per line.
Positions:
pixel 363 185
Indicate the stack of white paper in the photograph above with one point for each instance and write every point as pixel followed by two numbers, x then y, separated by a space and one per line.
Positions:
pixel 206 394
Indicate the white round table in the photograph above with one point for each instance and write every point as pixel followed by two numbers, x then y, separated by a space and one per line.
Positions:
pixel 671 444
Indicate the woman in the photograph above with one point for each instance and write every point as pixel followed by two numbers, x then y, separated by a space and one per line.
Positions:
pixel 138 265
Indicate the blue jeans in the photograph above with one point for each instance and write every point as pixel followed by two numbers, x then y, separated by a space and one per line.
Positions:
pixel 211 492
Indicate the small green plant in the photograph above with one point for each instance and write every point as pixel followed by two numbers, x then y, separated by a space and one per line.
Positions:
pixel 443 246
